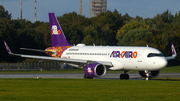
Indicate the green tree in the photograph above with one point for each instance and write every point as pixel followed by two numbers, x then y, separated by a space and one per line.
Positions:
pixel 3 13
pixel 44 30
pixel 133 37
pixel 134 27
pixel 73 25
pixel 167 17
pixel 176 19
pixel 91 37
pixel 7 33
pixel 88 40
pixel 106 24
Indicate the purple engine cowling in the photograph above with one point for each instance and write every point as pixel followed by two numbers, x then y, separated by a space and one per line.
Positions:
pixel 152 73
pixel 95 70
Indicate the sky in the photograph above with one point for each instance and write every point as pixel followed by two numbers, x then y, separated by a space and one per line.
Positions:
pixel 142 8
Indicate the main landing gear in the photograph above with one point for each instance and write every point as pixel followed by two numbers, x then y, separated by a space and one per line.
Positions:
pixel 124 76
pixel 86 77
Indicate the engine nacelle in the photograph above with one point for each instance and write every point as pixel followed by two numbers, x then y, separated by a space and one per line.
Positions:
pixel 152 73
pixel 95 70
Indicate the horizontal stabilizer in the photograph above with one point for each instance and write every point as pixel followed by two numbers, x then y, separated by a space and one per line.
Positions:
pixel 36 50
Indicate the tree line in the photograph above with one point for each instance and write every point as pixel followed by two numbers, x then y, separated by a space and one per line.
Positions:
pixel 108 28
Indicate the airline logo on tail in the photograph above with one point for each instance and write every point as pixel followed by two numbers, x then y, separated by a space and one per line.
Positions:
pixel 57 35
pixel 54 30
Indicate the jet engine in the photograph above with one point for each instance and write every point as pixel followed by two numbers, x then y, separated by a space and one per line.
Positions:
pixel 94 70
pixel 152 73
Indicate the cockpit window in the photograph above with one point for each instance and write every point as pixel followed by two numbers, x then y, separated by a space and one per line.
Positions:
pixel 155 55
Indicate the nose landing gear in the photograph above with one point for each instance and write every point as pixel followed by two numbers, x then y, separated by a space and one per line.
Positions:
pixel 147 75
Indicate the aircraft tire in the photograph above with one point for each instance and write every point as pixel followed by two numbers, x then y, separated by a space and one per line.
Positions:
pixel 86 77
pixel 124 76
pixel 121 76
pixel 127 76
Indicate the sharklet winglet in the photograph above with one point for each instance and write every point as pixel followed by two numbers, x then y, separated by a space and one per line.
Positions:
pixel 8 49
pixel 174 54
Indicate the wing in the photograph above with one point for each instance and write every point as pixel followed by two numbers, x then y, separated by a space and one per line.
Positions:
pixel 174 54
pixel 107 63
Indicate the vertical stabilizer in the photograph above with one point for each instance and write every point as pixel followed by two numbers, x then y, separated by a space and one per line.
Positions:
pixel 57 34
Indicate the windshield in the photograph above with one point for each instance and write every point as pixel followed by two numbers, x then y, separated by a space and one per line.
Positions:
pixel 155 55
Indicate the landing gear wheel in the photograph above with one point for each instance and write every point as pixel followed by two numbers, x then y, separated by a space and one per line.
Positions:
pixel 148 78
pixel 86 77
pixel 124 76
pixel 147 75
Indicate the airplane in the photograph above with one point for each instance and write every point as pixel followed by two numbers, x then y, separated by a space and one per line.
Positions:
pixel 96 60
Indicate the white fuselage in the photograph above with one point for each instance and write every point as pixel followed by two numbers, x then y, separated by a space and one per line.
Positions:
pixel 122 58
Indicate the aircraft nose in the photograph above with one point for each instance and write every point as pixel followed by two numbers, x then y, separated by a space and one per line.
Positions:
pixel 163 63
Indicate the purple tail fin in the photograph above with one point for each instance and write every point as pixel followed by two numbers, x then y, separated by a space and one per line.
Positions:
pixel 57 34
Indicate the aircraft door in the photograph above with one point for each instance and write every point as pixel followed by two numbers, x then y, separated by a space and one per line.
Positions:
pixel 140 54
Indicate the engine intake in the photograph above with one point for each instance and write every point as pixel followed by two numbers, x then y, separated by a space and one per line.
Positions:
pixel 95 70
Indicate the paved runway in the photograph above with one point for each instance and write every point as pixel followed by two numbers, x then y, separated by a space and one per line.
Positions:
pixel 80 75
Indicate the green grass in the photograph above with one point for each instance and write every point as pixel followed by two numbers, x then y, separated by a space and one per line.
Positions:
pixel 88 90
pixel 173 69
